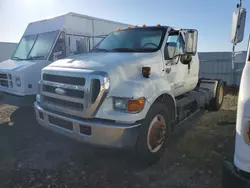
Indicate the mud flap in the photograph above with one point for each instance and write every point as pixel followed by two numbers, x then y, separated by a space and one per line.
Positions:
pixel 232 178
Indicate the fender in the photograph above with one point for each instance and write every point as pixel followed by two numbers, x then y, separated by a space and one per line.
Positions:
pixel 152 88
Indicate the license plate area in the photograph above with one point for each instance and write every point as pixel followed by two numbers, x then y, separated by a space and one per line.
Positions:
pixel 61 123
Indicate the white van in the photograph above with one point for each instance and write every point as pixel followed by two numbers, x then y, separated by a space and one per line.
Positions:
pixel 42 43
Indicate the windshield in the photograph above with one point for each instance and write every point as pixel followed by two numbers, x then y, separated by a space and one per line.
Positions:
pixel 134 40
pixel 35 46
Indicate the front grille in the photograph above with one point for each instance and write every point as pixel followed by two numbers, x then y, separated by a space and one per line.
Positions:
pixel 4 81
pixel 64 79
pixel 4 76
pixel 69 92
pixel 63 103
pixel 82 92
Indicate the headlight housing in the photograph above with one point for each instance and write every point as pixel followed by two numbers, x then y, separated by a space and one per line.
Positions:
pixel 18 82
pixel 129 105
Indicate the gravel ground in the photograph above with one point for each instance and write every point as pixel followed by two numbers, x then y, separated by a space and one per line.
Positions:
pixel 31 156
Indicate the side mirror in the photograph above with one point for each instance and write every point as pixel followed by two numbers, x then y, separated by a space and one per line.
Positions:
pixel 191 39
pixel 238 25
pixel 186 59
pixel 56 55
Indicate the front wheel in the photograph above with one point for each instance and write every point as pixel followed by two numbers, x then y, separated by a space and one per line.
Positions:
pixel 154 134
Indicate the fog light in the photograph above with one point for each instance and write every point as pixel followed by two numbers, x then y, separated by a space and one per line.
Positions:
pixel 41 115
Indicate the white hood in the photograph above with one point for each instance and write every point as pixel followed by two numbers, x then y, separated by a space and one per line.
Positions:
pixel 124 69
pixel 29 72
pixel 106 61
pixel 10 65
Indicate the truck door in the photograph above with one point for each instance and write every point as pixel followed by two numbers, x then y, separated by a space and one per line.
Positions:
pixel 174 70
pixel 59 49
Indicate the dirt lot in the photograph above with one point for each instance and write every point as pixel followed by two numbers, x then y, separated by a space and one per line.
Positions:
pixel 31 156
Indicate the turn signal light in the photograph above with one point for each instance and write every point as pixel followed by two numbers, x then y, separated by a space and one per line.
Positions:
pixel 135 105
pixel 146 71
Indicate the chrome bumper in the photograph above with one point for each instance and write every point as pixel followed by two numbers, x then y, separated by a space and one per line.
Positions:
pixel 96 133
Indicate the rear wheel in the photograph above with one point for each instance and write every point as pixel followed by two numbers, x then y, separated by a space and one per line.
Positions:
pixel 154 134
pixel 216 103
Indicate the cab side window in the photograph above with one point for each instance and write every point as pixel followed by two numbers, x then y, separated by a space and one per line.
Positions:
pixel 59 50
pixel 175 45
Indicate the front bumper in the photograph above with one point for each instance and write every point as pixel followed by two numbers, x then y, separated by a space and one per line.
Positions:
pixel 100 133
pixel 16 100
pixel 232 178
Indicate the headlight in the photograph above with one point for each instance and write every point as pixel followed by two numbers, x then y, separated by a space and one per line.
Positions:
pixel 120 104
pixel 18 81
pixel 129 105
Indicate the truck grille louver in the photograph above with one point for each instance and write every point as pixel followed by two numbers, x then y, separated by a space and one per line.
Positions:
pixel 64 79
pixel 5 81
pixel 72 93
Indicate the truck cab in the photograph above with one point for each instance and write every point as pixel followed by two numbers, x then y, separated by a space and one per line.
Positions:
pixel 42 43
pixel 130 91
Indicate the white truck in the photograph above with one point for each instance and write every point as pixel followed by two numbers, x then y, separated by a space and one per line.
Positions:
pixel 236 173
pixel 42 43
pixel 131 91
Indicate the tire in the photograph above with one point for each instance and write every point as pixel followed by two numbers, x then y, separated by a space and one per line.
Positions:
pixel 157 119
pixel 216 103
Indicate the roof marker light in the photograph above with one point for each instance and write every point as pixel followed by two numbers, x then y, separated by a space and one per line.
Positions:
pixel 158 25
pixel 144 25
pixel 136 26
pixel 129 26
pixel 118 29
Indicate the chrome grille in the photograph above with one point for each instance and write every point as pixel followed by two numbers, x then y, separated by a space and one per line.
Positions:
pixel 5 80
pixel 63 103
pixel 64 79
pixel 81 92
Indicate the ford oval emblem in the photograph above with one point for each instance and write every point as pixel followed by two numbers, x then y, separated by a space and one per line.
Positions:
pixel 60 91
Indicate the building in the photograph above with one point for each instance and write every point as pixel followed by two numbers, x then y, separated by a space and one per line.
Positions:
pixel 6 50
pixel 218 65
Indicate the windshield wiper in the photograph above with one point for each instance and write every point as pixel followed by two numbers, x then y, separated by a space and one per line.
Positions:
pixel 99 50
pixel 17 58
pixel 35 57
pixel 127 50
pixel 124 50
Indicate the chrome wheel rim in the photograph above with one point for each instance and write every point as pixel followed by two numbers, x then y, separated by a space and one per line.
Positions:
pixel 156 133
